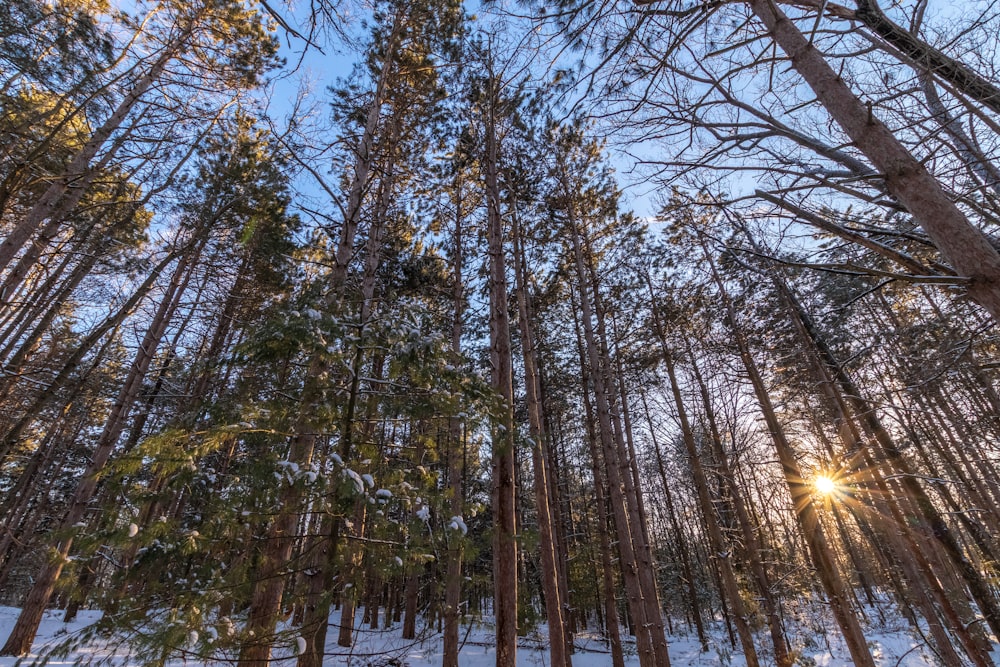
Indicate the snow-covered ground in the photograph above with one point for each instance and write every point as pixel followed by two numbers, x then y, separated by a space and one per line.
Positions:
pixel 892 647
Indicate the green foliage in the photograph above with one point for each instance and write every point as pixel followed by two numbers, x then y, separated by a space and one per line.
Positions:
pixel 55 44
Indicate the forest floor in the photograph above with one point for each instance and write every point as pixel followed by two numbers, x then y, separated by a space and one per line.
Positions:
pixel 891 643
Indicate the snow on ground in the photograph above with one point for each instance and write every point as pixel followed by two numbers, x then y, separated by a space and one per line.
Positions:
pixel 892 647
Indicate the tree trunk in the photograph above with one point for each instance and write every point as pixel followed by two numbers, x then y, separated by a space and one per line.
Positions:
pixel 551 588
pixel 630 472
pixel 895 458
pixel 265 604
pixel 964 246
pixel 607 566
pixel 750 542
pixel 23 633
pixel 456 449
pixel 805 512
pixel 504 485
pixel 722 551
pixel 350 575
pixel 66 191
pixel 926 57
pixel 694 610
pixel 71 364
pixel 616 480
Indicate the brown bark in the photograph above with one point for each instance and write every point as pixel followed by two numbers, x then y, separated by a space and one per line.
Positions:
pixel 722 551
pixel 556 504
pixel 456 450
pixel 44 237
pixel 67 190
pixel 349 427
pixel 603 516
pixel 750 542
pixel 605 384
pixel 694 605
pixel 895 534
pixel 25 628
pixel 611 620
pixel 892 454
pixel 265 604
pixel 44 296
pixel 411 596
pixel 966 147
pixel 315 603
pixel 83 242
pixel 637 504
pixel 926 57
pixel 623 518
pixel 315 624
pixel 504 486
pixel 551 588
pixel 24 341
pixel 349 597
pixel 805 512
pixel 964 246
pixel 33 483
pixel 72 363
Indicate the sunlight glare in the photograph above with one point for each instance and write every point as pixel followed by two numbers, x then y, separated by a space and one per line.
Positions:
pixel 825 485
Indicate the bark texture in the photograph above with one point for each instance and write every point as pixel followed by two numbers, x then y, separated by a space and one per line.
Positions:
pixel 967 249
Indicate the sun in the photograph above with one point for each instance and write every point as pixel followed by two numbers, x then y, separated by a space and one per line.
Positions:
pixel 825 485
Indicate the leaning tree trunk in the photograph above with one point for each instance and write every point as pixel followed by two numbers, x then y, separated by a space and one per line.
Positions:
pixel 612 621
pixel 897 538
pixel 694 606
pixel 893 455
pixel 44 236
pixel 750 542
pixel 805 513
pixel 66 190
pixel 318 602
pixel 723 551
pixel 927 59
pixel 72 363
pixel 26 627
pixel 604 382
pixel 906 178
